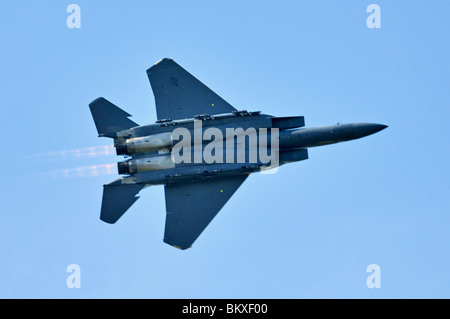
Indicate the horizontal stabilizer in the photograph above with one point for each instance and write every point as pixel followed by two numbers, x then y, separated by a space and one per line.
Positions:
pixel 109 118
pixel 117 198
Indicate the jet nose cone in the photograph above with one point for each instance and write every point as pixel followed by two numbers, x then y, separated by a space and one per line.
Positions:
pixel 374 128
pixel 365 129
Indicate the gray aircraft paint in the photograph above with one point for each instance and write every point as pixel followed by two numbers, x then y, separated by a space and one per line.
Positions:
pixel 196 190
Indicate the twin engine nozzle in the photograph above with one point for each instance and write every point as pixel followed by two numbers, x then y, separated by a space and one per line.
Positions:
pixel 145 164
pixel 142 145
pixel 145 144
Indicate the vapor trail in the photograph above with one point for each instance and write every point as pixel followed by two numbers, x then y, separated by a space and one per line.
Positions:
pixel 86 152
pixel 83 171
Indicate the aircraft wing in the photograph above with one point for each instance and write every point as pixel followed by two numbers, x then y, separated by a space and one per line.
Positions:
pixel 191 206
pixel 180 95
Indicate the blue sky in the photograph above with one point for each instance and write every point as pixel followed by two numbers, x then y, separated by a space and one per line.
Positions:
pixel 309 231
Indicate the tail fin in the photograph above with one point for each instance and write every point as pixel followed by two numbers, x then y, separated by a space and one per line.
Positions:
pixel 117 198
pixel 109 118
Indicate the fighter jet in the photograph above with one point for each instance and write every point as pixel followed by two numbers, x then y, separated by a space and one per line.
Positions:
pixel 201 149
